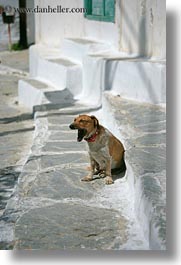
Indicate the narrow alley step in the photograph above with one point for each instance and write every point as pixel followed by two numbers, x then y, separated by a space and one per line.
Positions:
pixel 37 95
pixel 40 96
pixel 139 78
pixel 78 48
pixel 50 66
pixel 142 79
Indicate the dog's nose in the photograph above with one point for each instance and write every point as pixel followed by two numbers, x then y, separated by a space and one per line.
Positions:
pixel 72 127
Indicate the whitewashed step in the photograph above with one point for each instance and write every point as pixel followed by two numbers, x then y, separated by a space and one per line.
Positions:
pixel 50 67
pixel 143 80
pixel 40 51
pixel 77 48
pixel 37 95
pixel 140 79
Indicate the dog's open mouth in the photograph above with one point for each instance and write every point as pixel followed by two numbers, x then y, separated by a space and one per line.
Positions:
pixel 81 134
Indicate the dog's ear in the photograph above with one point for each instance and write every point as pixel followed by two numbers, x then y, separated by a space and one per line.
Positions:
pixel 96 122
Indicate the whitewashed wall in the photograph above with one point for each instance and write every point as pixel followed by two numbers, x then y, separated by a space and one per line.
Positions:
pixel 53 28
pixel 139 26
pixel 143 29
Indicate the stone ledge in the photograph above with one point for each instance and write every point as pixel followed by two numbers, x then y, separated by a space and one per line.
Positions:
pixel 142 127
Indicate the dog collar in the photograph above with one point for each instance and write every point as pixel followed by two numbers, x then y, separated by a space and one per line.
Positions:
pixel 92 138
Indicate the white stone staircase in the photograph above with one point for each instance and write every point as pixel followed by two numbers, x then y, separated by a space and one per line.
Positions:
pixel 54 70
pixel 50 66
pixel 86 68
pixel 78 49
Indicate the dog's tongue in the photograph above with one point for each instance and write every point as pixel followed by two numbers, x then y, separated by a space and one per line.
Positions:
pixel 81 134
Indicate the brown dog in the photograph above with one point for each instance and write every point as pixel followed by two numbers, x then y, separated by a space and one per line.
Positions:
pixel 105 150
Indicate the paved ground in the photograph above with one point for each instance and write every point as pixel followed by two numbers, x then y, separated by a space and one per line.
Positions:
pixel 16 124
pixel 52 209
pixel 16 59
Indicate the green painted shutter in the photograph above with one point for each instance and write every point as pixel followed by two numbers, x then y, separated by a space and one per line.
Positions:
pixel 109 8
pixel 98 7
pixel 101 10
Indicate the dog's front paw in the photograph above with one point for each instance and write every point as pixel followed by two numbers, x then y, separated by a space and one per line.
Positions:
pixel 87 178
pixel 109 180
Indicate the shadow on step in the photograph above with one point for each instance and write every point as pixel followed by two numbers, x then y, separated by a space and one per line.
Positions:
pixel 18 118
pixel 115 176
pixel 56 100
pixel 17 131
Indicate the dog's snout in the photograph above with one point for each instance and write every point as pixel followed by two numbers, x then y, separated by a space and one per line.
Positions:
pixel 72 126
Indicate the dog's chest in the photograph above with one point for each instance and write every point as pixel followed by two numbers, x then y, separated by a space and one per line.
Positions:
pixel 100 149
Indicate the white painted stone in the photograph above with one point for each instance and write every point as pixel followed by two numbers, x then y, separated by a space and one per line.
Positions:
pixel 92 80
pixel 40 51
pixel 141 80
pixel 78 48
pixel 28 95
pixel 31 92
pixel 48 65
pixel 61 75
